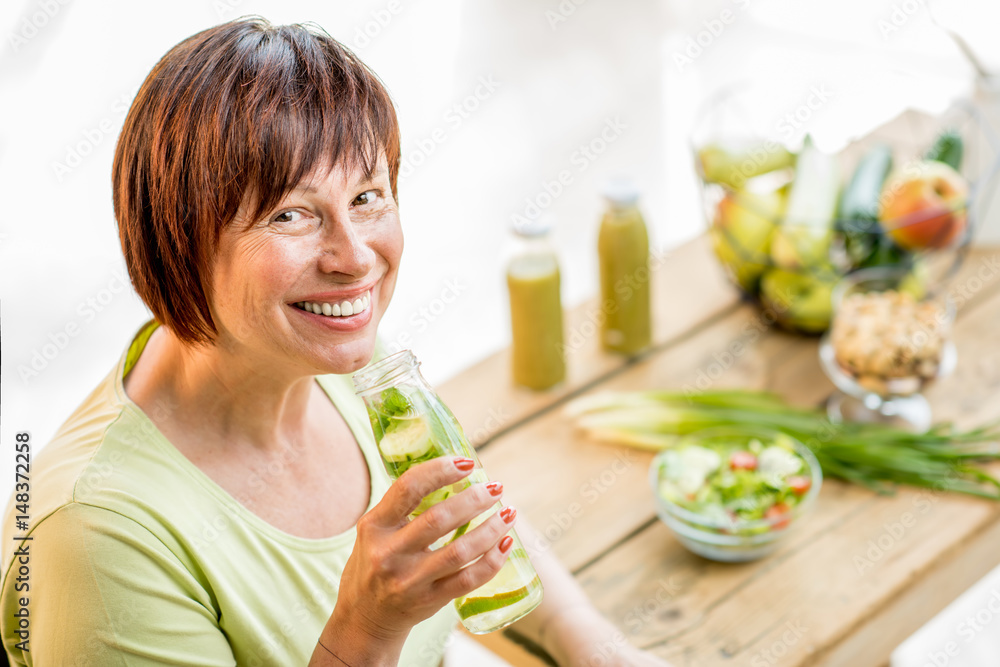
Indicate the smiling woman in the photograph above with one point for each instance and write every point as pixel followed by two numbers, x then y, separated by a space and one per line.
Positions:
pixel 218 499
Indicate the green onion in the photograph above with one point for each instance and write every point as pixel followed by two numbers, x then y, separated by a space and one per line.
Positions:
pixel 876 456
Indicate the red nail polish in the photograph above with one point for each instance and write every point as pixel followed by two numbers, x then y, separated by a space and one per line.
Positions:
pixel 505 543
pixel 495 488
pixel 464 464
pixel 508 514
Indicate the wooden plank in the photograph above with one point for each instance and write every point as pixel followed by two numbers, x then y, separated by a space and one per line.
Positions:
pixel 554 470
pixel 487 403
pixel 919 601
pixel 824 592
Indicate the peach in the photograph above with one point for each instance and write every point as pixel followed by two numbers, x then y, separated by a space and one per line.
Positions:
pixel 923 205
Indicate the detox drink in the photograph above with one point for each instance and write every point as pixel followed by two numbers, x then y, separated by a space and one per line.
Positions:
pixel 623 249
pixel 412 425
pixel 537 360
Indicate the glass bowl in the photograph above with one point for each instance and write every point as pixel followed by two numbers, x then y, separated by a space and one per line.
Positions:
pixel 790 269
pixel 724 538
pixel 890 339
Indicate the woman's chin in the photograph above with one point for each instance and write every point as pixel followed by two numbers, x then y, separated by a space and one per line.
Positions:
pixel 347 358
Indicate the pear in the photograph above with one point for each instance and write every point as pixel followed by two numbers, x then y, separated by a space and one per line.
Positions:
pixel 741 234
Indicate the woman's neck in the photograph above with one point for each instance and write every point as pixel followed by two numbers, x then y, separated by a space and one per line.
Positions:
pixel 216 391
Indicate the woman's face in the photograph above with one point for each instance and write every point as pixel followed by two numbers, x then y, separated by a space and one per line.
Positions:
pixel 332 245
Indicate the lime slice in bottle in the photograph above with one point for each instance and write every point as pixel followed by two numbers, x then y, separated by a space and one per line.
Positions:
pixel 479 605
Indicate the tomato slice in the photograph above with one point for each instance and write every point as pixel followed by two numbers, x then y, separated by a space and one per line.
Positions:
pixel 742 461
pixel 779 515
pixel 800 484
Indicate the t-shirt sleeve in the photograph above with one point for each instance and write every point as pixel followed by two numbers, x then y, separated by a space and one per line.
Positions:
pixel 105 591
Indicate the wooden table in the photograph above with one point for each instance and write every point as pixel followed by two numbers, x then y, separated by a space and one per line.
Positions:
pixel 860 574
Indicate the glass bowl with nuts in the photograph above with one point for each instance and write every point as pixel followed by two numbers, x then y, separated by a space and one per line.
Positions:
pixel 890 338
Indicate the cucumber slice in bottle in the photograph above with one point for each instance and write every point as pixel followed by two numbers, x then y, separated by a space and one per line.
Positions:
pixel 406 440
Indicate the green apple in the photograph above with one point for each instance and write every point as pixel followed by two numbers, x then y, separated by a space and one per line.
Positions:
pixel 741 233
pixel 800 300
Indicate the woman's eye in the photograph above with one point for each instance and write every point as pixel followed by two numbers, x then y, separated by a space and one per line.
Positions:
pixel 365 198
pixel 287 216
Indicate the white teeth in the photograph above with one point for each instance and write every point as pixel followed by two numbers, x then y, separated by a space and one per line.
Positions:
pixel 342 309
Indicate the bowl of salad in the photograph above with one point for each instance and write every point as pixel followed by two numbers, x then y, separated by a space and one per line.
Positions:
pixel 731 496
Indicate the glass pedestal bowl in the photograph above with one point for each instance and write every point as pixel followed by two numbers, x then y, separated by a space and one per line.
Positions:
pixel 890 338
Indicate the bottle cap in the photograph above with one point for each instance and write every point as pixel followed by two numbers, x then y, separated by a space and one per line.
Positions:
pixel 540 226
pixel 621 191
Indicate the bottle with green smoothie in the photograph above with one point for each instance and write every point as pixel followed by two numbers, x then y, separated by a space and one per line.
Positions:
pixel 536 318
pixel 623 249
pixel 411 425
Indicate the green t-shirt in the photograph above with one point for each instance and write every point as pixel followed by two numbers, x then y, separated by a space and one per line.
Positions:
pixel 139 558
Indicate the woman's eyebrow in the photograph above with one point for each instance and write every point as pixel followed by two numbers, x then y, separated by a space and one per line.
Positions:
pixel 308 188
pixel 384 171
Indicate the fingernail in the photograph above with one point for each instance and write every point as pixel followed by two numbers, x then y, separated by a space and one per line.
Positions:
pixel 464 464
pixel 495 488
pixel 508 514
pixel 505 543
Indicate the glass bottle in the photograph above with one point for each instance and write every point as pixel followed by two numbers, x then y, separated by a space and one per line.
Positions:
pixel 412 425
pixel 536 317
pixel 623 249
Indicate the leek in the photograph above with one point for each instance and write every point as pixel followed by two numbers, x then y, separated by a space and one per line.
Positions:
pixel 876 456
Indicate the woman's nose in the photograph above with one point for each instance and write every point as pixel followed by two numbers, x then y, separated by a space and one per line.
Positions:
pixel 346 251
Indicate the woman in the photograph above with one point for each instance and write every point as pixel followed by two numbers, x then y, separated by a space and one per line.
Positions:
pixel 218 498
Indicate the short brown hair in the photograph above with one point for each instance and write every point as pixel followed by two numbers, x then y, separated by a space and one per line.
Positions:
pixel 244 109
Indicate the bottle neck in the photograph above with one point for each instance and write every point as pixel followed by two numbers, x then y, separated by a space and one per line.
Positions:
pixel 396 369
pixel 532 256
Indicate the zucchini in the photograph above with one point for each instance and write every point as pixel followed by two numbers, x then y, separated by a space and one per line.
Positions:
pixel 860 201
pixel 948 149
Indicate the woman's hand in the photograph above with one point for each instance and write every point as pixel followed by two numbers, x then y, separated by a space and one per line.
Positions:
pixel 392 580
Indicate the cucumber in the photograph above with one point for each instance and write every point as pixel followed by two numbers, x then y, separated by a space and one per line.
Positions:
pixel 406 440
pixel 860 201
pixel 948 149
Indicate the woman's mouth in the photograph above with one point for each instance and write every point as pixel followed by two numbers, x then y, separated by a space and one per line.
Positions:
pixel 337 309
